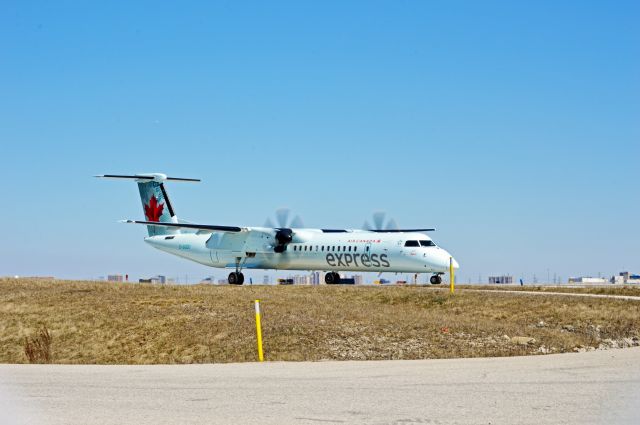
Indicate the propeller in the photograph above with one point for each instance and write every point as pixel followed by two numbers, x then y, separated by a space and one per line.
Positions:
pixel 282 218
pixel 383 225
pixel 380 222
pixel 284 233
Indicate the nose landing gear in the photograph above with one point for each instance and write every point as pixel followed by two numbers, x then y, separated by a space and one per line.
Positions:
pixel 435 279
pixel 331 278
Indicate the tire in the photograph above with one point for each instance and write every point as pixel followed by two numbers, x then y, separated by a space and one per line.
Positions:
pixel 336 278
pixel 435 279
pixel 240 278
pixel 329 278
pixel 233 278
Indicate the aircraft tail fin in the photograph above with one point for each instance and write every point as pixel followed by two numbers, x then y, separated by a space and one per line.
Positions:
pixel 156 205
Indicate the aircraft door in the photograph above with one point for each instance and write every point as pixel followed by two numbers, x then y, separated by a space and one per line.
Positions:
pixel 214 256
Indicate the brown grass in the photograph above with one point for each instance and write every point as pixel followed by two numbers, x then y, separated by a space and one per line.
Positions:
pixel 38 348
pixel 632 290
pixel 102 323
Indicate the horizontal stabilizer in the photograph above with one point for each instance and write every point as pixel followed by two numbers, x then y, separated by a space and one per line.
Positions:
pixel 147 177
pixel 208 227
pixel 401 230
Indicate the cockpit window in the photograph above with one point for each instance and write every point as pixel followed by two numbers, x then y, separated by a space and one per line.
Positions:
pixel 427 243
pixel 411 243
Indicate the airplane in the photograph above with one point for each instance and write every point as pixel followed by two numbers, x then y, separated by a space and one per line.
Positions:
pixel 283 248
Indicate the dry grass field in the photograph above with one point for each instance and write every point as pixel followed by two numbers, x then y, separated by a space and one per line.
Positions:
pixel 101 323
pixel 629 290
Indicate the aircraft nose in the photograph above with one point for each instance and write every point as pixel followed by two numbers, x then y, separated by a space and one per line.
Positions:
pixel 455 263
pixel 448 257
pixel 440 260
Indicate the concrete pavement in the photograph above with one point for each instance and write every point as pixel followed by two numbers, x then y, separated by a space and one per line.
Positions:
pixel 587 388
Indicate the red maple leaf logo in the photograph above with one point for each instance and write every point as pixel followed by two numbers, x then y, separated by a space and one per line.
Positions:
pixel 153 211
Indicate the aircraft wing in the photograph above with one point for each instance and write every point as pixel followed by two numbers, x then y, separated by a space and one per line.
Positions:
pixel 401 230
pixel 205 227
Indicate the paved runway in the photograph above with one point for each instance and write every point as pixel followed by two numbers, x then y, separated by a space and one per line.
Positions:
pixel 587 388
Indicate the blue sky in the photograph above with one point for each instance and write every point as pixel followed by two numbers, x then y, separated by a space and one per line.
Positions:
pixel 512 127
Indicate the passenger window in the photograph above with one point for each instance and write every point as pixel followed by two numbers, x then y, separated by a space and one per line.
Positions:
pixel 333 248
pixel 323 247
pixel 355 248
pixel 338 249
pixel 412 243
pixel 344 248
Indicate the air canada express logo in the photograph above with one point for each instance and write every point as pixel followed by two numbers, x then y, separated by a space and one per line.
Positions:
pixel 153 210
pixel 366 260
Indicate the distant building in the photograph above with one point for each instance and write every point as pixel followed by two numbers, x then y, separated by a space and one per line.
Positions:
pixel 617 280
pixel 626 278
pixel 265 279
pixel 315 278
pixel 357 278
pixel 500 279
pixel 301 280
pixel 156 279
pixel 587 279
pixel 35 277
pixel 115 278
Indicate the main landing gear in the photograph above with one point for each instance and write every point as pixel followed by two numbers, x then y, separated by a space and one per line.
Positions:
pixel 331 278
pixel 435 279
pixel 236 278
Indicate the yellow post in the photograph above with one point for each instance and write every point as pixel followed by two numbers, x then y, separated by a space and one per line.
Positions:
pixel 451 276
pixel 259 331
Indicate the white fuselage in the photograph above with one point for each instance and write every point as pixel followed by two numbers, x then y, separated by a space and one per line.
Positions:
pixel 311 249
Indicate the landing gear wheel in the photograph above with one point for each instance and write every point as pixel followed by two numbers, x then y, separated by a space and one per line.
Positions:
pixel 331 278
pixel 435 279
pixel 236 278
